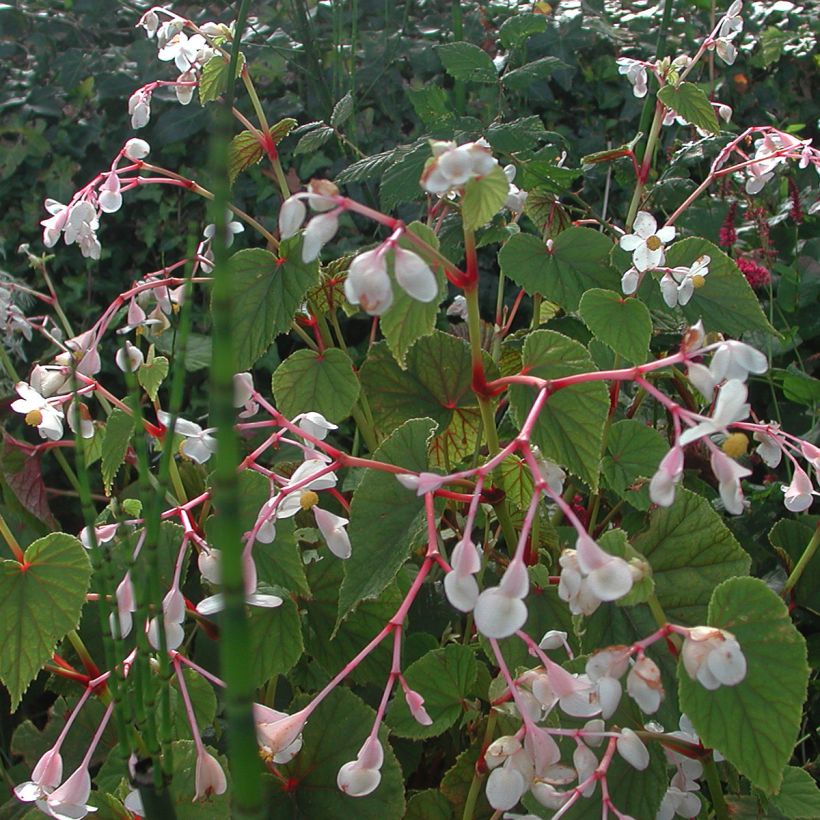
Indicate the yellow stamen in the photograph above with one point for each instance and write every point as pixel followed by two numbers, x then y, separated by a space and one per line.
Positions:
pixel 653 243
pixel 735 445
pixel 308 499
pixel 698 281
pixel 34 418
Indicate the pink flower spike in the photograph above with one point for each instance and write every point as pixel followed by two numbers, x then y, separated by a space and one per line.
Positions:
pixel 209 778
pixel 799 495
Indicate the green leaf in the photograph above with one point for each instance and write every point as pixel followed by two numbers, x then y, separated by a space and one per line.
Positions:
pixel 789 537
pixel 333 648
pixel 633 451
pixel 275 641
pixel 623 324
pixel 118 430
pixel 279 130
pixel 366 168
pixel 799 797
pixel 245 150
pixel 437 380
pixel 40 601
pixel 458 440
pixel 432 104
pixel 385 518
pixel 342 111
pixel 267 292
pixel 428 805
pixel 518 135
pixel 579 260
pixel 569 429
pixel 689 102
pixel 400 182
pixel 516 29
pixel 332 736
pixel 467 62
pixel 408 320
pixel 183 784
pixel 444 678
pixel 214 77
pixel 755 724
pixel 520 79
pixel 320 382
pixel 691 551
pixel 457 780
pixel 483 198
pixel 514 477
pixel 313 140
pixel 725 285
pixel 203 701
pixel 151 375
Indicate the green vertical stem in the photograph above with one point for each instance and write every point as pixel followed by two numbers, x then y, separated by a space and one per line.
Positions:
pixel 715 788
pixel 646 165
pixel 235 649
pixel 660 52
pixel 800 566
pixel 475 784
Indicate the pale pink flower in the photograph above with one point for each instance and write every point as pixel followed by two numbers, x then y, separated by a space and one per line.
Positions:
pixel 70 801
pixel 45 777
pixel 643 683
pixel 799 495
pixel 277 731
pixel 728 473
pixel 361 776
pixel 669 472
pixel 209 776
pixel 631 748
pixel 291 216
pixel 414 275
pixel 713 657
pixel 367 283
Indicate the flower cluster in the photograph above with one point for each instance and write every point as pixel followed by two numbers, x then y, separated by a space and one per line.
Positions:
pixel 453 165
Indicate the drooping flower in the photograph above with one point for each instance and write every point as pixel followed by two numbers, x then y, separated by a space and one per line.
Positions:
pixel 635 72
pixel 198 445
pixel 678 284
pixel 500 611
pixel 129 358
pixel 414 275
pixel 361 776
pixel 713 657
pixel 647 242
pixel 139 108
pixel 454 165
pixel 768 447
pixel 644 686
pixel 315 424
pixel 278 733
pixel 45 777
pixel 367 283
pixel 663 483
pixel 209 776
pixel 632 749
pixel 728 473
pixel 319 231
pixel 731 406
pixel 109 196
pixel 799 495
pixel 70 800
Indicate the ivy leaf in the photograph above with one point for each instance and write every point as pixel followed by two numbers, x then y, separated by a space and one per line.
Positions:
pixel 623 324
pixel 245 150
pixel 408 320
pixel 213 79
pixel 332 737
pixel 267 292
pixel 634 451
pixel 40 602
pixel 755 724
pixel 444 678
pixel 151 375
pixel 579 261
pixel 569 429
pixel 342 111
pixel 484 197
pixel 320 382
pixel 689 102
pixel 691 551
pixel 467 62
pixel 385 518
pixel 118 430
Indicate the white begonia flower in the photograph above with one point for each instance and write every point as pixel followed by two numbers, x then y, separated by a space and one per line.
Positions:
pixel 415 703
pixel 635 72
pixel 199 445
pixel 414 275
pixel 209 778
pixel 278 733
pixel 646 243
pixel 184 92
pixel 604 669
pixel 109 197
pixel 291 216
pixel 547 795
pixel 136 149
pixel 703 379
pixel 243 392
pixel 500 611
pixel 554 475
pixel 231 229
pixel 361 776
pixel 761 171
pixel 728 473
pixel 70 800
pixel 678 802
pixel 644 686
pixel 126 604
pixel 150 22
pixel 799 495
pixel 713 657
pixel 585 763
pixel 45 777
pixel 129 358
pixel 812 455
pixel 186 52
pixel 768 447
pixel 38 412
pixel 53 226
pixel 631 748
pixel 516 198
pixel 678 285
pixel 458 308
pixel 454 165
pixel 315 424
pixel 333 531
pixel 139 108
pixel 173 616
pixel 216 603
pixel 731 406
pixel 552 639
pixel 102 534
pixel 209 562
pixel 422 483
pixel 609 577
pixel 79 420
pixel 630 281
pixel 505 787
pixel 81 227
pixel 735 360
pixel 462 590
pixel 319 231
pixel 663 483
pixel 322 195
pixel 367 283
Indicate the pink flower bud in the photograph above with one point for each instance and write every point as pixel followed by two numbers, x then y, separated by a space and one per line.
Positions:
pixel 209 777
pixel 277 730
pixel 415 703
pixel 291 216
pixel 644 685
pixel 799 495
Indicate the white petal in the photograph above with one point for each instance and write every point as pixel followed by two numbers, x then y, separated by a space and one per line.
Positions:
pixel 415 276
pixel 611 581
pixel 498 615
pixel 632 750
pixel 291 216
pixel 644 225
pixel 505 787
pixel 461 590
